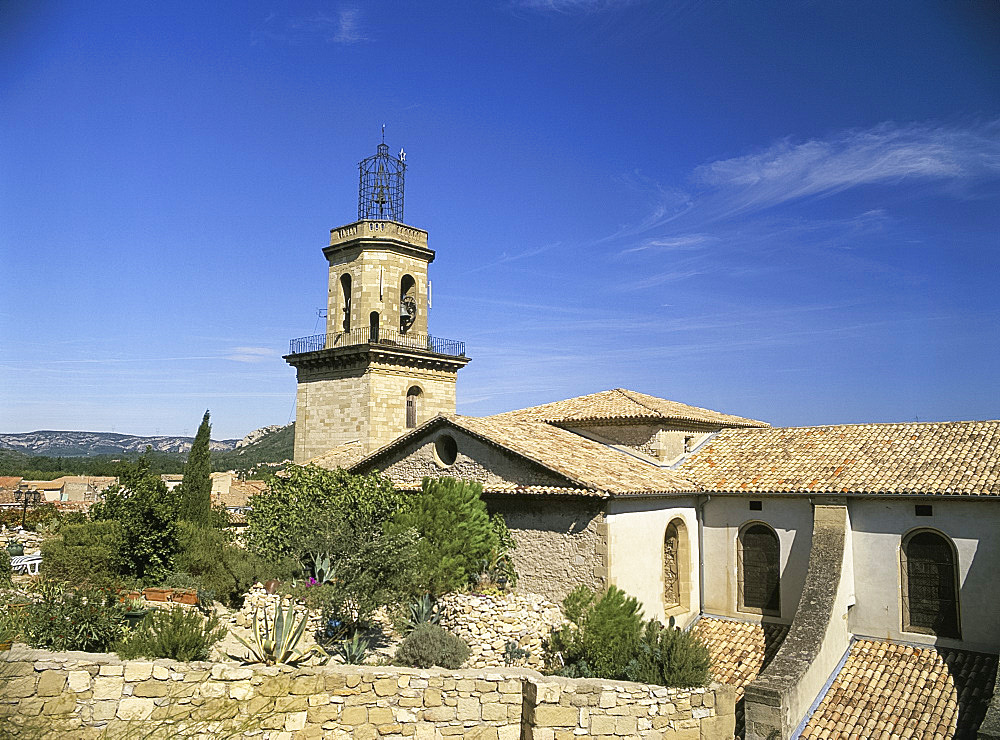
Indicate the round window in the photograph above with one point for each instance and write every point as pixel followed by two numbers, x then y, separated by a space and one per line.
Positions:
pixel 446 449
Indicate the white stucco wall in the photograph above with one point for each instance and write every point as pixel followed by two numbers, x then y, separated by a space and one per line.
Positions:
pixel 789 516
pixel 879 526
pixel 636 528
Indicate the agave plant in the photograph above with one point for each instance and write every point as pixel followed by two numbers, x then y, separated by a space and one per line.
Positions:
pixel 322 568
pixel 276 641
pixel 354 650
pixel 424 609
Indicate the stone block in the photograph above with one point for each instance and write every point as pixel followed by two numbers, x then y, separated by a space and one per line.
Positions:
pixel 625 726
pixel 104 710
pixel 308 685
pixel 354 715
pixel 112 670
pixel 717 728
pixel 78 681
pixel 549 715
pixel 19 688
pixel 135 709
pixel 160 673
pixel 548 693
pixel 50 683
pixel 600 725
pixel 30 707
pixel 138 671
pixel 469 709
pixel 386 686
pixel 63 704
pixel 152 687
pixel 494 712
pixel 608 699
pixel 295 721
pixel 482 733
pixel 439 714
pixel 319 715
pixel 108 687
pixel 380 716
pixel 213 689
pixel 432 697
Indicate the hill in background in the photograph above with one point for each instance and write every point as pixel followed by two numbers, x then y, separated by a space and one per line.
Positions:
pixel 46 455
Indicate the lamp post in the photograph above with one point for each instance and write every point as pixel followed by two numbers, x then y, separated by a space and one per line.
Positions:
pixel 26 496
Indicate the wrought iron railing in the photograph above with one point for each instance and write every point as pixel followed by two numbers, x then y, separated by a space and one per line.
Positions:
pixel 384 337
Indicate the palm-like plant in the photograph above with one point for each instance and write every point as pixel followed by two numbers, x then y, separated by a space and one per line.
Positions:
pixel 276 641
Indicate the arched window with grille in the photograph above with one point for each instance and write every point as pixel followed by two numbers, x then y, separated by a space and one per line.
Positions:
pixel 412 400
pixel 759 570
pixel 930 584
pixel 675 565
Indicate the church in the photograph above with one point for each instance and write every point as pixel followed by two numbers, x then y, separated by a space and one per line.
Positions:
pixel 842 576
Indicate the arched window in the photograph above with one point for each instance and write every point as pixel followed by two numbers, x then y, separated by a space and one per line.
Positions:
pixel 412 397
pixel 345 302
pixel 930 584
pixel 675 560
pixel 373 327
pixel 407 303
pixel 758 553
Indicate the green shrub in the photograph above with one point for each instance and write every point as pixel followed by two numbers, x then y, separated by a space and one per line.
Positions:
pixel 84 619
pixel 88 553
pixel 213 563
pixel 6 571
pixel 455 533
pixel 431 645
pixel 178 633
pixel 603 635
pixel 40 514
pixel 670 657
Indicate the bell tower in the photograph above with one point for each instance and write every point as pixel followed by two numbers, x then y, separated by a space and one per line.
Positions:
pixel 376 372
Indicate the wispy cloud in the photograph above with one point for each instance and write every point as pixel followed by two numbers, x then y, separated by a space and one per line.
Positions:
pixel 341 27
pixel 574 6
pixel 251 354
pixel 886 154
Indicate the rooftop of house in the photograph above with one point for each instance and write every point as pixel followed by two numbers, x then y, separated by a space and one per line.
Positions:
pixel 587 466
pixel 9 481
pixel 621 404
pixel 889 690
pixel 961 457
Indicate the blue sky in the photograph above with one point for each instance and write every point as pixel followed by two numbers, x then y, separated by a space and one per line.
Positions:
pixel 784 210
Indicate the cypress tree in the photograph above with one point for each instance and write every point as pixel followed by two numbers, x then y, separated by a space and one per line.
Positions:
pixel 196 487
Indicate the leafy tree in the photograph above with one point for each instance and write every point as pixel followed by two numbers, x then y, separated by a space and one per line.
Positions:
pixel 301 511
pixel 456 535
pixel 147 512
pixel 196 489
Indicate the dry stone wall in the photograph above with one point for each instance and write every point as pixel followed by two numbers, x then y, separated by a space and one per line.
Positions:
pixel 489 623
pixel 82 695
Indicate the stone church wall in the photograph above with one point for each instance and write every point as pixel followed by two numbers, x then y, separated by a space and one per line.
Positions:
pixel 561 542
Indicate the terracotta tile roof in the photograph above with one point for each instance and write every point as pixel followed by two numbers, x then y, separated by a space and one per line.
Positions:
pixel 739 650
pixel 585 464
pixel 890 690
pixel 341 456
pixel 239 493
pixel 959 457
pixel 532 490
pixel 9 481
pixel 621 404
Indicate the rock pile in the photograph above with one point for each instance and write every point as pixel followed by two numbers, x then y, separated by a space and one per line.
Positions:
pixel 258 598
pixel 489 622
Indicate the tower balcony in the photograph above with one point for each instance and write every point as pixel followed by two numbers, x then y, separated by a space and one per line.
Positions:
pixel 378 337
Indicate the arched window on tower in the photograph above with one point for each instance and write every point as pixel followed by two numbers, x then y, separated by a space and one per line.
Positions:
pixel 407 303
pixel 373 327
pixel 345 302
pixel 759 566
pixel 412 400
pixel 930 584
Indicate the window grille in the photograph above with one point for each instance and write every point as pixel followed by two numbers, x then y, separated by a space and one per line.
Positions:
pixel 671 573
pixel 760 570
pixel 930 596
pixel 411 407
